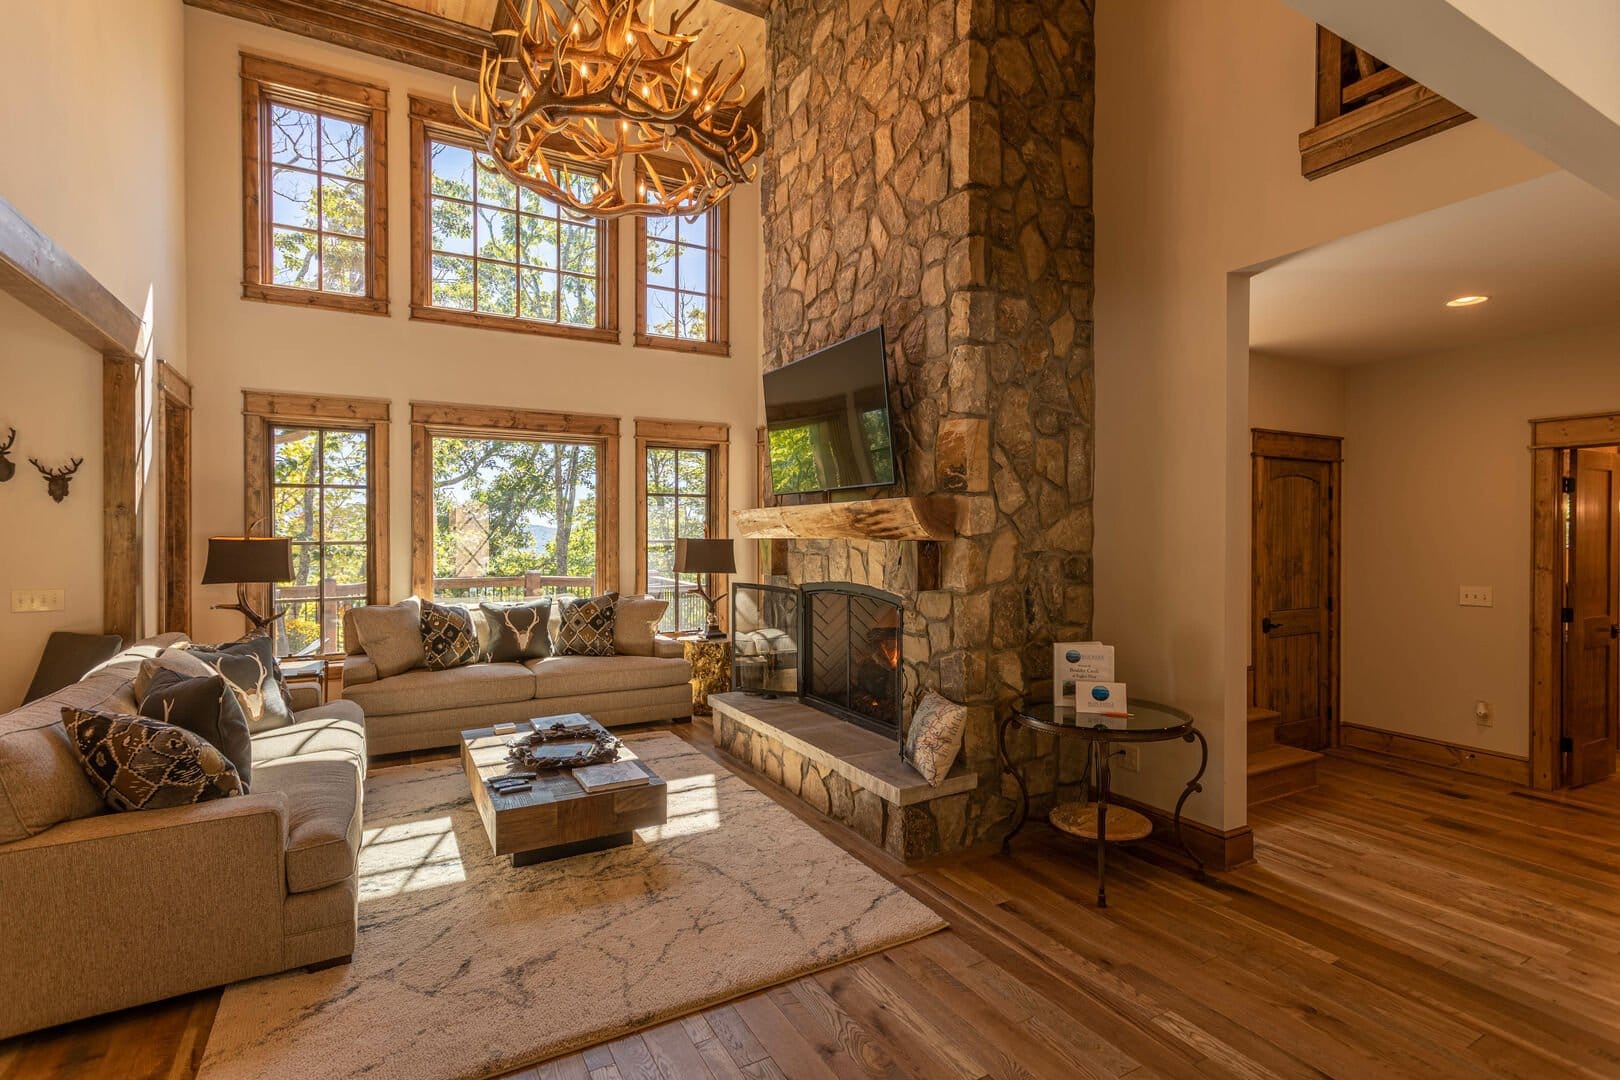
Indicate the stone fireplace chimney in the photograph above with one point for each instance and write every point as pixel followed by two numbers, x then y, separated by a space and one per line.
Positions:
pixel 928 169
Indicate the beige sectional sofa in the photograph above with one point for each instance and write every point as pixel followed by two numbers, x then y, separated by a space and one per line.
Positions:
pixel 101 911
pixel 421 710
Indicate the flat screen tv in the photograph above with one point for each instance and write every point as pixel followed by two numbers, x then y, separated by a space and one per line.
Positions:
pixel 827 419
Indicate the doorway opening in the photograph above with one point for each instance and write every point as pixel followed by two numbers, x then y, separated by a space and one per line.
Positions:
pixel 1575 590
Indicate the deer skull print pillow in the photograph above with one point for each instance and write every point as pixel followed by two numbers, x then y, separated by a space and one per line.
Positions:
pixel 249 670
pixel 519 631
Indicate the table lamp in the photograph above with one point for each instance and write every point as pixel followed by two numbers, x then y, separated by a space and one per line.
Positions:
pixel 244 561
pixel 706 557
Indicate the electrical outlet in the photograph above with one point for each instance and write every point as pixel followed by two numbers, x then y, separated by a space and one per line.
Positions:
pixel 1130 759
pixel 1475 596
pixel 1482 714
pixel 38 599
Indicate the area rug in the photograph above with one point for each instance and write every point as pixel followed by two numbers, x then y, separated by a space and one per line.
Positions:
pixel 468 967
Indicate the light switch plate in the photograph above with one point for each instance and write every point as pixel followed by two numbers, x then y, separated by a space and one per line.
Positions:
pixel 38 599
pixel 1475 596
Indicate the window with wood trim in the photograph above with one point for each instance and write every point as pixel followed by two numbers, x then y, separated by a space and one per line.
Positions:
pixel 488 253
pixel 681 271
pixel 511 503
pixel 317 474
pixel 681 474
pixel 315 188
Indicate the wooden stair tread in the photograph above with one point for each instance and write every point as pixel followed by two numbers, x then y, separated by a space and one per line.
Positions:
pixel 1281 757
pixel 1257 713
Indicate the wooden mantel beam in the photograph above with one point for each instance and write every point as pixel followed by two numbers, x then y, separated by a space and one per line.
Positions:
pixel 920 517
pixel 49 280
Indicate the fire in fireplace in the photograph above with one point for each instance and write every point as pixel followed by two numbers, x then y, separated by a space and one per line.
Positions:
pixel 851 664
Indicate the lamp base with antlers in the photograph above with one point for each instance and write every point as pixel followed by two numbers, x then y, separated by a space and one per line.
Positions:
pixel 257 624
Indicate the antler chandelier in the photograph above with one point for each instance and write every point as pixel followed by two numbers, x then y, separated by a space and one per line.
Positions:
pixel 604 86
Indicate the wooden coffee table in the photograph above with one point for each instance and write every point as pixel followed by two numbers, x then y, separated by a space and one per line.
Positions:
pixel 555 817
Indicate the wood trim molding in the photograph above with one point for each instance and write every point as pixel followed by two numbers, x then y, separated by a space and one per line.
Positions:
pixel 715 437
pixel 431 119
pixel 173 424
pixel 1220 849
pixel 1547 466
pixel 264 80
pixel 431 419
pixel 1296 445
pixel 391 31
pixel 121 522
pixel 262 409
pixel 1594 429
pixel 718 290
pixel 49 280
pixel 1435 752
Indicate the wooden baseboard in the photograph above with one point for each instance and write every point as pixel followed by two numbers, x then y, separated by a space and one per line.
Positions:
pixel 1220 850
pixel 1434 752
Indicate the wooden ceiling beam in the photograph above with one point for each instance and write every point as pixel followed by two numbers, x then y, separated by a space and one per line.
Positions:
pixel 378 27
pixel 49 280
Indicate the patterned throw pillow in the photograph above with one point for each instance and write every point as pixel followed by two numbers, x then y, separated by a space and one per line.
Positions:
pixel 935 737
pixel 203 707
pixel 248 667
pixel 587 625
pixel 448 637
pixel 518 631
pixel 137 763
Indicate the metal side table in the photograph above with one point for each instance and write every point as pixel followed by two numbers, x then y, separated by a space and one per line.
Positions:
pixel 1148 722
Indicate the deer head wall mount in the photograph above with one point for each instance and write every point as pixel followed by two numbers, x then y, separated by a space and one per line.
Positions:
pixel 57 480
pixel 7 468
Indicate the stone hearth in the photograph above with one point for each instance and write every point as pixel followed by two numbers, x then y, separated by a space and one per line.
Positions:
pixel 852 775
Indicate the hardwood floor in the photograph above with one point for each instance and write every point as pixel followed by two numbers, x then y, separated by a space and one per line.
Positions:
pixel 1400 920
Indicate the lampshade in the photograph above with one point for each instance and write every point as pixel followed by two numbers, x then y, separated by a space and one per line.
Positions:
pixel 237 560
pixel 705 557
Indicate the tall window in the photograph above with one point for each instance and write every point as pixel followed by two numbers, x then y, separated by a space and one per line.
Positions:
pixel 315 189
pixel 513 518
pixel 681 282
pixel 319 495
pixel 682 496
pixel 492 254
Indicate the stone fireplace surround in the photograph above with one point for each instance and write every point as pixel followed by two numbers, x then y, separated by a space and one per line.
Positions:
pixel 928 169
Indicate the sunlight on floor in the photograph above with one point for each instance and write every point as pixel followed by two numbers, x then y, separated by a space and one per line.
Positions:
pixel 694 807
pixel 402 858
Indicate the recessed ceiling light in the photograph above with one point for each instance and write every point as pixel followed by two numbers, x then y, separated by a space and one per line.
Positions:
pixel 1466 301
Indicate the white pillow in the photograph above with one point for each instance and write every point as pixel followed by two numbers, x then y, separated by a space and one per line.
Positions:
pixel 935 737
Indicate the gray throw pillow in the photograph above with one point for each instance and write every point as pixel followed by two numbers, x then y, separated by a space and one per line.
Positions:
pixel 518 631
pixel 586 628
pixel 250 669
pixel 391 634
pixel 203 707
pixel 448 637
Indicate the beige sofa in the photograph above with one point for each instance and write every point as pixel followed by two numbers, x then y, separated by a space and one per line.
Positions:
pixel 101 911
pixel 422 710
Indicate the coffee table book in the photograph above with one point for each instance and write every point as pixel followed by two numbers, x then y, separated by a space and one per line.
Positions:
pixel 555 817
pixel 614 774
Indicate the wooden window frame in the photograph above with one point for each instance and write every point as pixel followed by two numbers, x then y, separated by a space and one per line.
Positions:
pixel 685 435
pixel 265 81
pixel 173 424
pixel 719 248
pixel 438 121
pixel 265 409
pixel 431 419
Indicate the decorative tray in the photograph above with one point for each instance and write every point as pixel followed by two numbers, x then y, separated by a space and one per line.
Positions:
pixel 564 746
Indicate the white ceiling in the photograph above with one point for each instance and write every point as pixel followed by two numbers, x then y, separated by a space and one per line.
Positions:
pixel 1547 253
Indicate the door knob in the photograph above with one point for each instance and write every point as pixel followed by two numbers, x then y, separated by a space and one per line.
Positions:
pixel 1267 626
pixel 1614 631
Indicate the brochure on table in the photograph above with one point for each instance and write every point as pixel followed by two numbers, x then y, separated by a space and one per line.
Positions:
pixel 1083 677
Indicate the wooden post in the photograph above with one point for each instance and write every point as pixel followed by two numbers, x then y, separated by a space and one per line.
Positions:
pixel 121 533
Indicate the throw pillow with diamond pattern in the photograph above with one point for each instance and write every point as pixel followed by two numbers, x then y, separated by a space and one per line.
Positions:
pixel 448 637
pixel 586 628
pixel 137 763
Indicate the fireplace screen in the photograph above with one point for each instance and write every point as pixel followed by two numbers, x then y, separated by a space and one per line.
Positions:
pixel 851 654
pixel 764 639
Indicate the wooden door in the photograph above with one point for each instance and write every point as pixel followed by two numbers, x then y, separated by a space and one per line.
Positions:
pixel 1591 675
pixel 1295 651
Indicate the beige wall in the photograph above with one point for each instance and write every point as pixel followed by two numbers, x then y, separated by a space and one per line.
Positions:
pixel 1295 395
pixel 1197 180
pixel 91 118
pixel 1437 495
pixel 240 344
